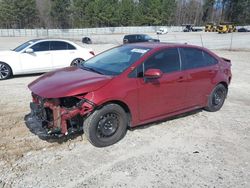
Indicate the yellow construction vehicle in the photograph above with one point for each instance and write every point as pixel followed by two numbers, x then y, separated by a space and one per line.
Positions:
pixel 226 28
pixel 210 27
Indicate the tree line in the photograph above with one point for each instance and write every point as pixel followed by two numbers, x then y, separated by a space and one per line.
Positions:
pixel 110 13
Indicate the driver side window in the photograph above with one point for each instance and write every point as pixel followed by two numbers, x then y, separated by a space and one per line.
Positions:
pixel 41 46
pixel 166 60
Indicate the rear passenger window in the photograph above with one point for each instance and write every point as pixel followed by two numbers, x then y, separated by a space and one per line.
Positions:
pixel 71 47
pixel 192 58
pixel 58 45
pixel 210 60
pixel 167 61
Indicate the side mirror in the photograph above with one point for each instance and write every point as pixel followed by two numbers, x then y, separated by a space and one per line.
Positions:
pixel 125 41
pixel 29 51
pixel 153 74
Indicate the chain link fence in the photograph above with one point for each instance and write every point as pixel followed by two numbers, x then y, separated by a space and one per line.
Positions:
pixel 71 33
pixel 114 35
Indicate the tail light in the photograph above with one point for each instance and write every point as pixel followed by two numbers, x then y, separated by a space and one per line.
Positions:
pixel 92 53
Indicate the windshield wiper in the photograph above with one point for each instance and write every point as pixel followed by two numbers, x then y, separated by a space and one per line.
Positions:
pixel 91 69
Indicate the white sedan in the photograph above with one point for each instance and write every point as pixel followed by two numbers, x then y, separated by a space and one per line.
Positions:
pixel 162 31
pixel 41 55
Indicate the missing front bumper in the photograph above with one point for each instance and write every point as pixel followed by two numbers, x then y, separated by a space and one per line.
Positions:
pixel 60 121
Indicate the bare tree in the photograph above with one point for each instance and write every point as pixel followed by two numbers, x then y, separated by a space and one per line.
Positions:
pixel 43 7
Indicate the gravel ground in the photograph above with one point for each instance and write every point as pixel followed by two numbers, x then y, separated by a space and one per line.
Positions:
pixel 198 149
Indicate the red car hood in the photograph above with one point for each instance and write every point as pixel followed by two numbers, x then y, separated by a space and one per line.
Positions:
pixel 66 82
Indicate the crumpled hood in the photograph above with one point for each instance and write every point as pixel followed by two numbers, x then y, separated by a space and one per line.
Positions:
pixel 67 82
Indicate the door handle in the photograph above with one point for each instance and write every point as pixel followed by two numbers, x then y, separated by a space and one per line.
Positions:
pixel 181 79
pixel 211 71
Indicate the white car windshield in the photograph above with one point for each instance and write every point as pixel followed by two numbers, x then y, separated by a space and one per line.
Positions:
pixel 24 45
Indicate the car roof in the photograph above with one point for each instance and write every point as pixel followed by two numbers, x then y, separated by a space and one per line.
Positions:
pixel 136 34
pixel 50 39
pixel 154 45
pixel 54 39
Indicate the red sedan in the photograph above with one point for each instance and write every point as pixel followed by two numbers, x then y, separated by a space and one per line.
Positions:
pixel 128 86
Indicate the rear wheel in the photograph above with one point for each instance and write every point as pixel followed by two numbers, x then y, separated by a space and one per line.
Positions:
pixel 217 98
pixel 76 62
pixel 5 71
pixel 106 126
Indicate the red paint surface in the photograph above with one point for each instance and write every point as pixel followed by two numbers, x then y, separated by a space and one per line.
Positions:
pixel 68 81
pixel 170 94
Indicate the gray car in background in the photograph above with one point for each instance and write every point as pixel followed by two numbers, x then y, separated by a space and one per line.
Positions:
pixel 138 38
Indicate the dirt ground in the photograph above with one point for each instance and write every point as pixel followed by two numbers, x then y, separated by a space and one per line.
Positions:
pixel 198 149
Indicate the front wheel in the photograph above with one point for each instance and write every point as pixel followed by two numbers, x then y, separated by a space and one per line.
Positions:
pixel 106 125
pixel 76 62
pixel 5 71
pixel 216 98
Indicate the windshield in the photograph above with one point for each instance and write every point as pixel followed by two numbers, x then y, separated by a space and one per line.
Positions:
pixel 148 37
pixel 24 45
pixel 114 61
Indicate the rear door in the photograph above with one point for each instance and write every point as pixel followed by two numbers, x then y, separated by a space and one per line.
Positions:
pixel 201 69
pixel 62 53
pixel 161 96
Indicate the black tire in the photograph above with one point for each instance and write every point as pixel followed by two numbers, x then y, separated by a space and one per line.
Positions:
pixel 5 71
pixel 216 98
pixel 76 62
pixel 106 125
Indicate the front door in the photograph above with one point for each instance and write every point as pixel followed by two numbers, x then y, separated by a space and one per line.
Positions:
pixel 38 61
pixel 157 97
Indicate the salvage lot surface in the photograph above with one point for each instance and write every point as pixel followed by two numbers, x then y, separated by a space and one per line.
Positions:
pixel 199 149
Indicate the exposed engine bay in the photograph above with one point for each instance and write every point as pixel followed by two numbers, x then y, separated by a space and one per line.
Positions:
pixel 61 116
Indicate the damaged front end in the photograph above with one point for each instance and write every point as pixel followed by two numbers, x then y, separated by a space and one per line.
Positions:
pixel 61 116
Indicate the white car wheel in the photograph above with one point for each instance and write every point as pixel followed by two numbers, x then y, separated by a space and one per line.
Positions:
pixel 5 71
pixel 76 62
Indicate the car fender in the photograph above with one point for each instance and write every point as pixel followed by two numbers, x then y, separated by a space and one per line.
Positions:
pixel 220 78
pixel 130 108
pixel 13 60
pixel 83 53
pixel 99 98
